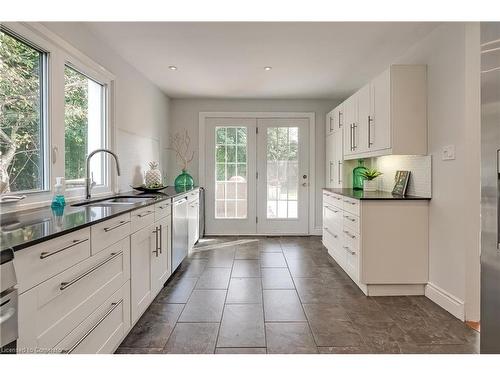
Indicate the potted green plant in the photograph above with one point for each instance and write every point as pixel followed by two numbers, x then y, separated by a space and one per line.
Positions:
pixel 369 183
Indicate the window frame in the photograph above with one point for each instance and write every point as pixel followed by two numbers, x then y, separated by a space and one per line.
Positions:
pixel 60 53
pixel 44 114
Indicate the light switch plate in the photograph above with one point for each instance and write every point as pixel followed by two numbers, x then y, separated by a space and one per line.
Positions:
pixel 448 152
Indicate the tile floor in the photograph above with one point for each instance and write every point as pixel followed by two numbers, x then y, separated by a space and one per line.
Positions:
pixel 285 295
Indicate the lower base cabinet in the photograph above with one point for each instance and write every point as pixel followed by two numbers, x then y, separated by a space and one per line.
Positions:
pixel 143 245
pixel 161 256
pixel 104 329
pixel 381 244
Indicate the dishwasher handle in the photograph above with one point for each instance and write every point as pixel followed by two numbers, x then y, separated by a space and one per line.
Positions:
pixel 181 201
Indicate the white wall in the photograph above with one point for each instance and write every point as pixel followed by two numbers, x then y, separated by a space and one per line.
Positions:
pixel 141 108
pixel 453 119
pixel 184 115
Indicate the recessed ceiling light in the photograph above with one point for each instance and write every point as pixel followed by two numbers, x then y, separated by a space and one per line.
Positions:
pixel 172 67
pixel 268 68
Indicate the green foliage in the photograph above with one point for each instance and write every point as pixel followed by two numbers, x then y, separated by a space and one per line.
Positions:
pixel 75 122
pixel 20 115
pixel 371 174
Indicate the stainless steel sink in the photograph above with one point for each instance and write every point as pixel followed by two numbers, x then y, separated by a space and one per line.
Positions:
pixel 117 200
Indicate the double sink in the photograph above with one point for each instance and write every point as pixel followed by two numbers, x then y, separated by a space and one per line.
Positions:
pixel 116 200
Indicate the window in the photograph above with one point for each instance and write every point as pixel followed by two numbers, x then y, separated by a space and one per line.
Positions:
pixel 23 125
pixel 231 172
pixel 84 126
pixel 282 172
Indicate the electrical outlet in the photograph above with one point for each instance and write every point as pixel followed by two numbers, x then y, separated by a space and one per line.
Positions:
pixel 448 152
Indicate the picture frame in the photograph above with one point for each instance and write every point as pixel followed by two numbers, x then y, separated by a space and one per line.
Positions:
pixel 401 182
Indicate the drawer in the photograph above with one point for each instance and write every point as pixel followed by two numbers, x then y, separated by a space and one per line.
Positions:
pixel 104 329
pixel 109 232
pixel 40 262
pixel 56 307
pixel 333 199
pixel 351 222
pixel 334 244
pixel 351 239
pixel 163 209
pixel 332 216
pixel 194 195
pixel 142 218
pixel 352 265
pixel 351 205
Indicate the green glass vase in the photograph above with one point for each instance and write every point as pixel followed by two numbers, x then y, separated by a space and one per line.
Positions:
pixel 357 175
pixel 184 180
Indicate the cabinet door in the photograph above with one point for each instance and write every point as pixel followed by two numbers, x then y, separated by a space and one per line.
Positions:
pixel 329 122
pixel 160 257
pixel 330 160
pixel 338 160
pixel 142 246
pixel 380 121
pixel 348 126
pixel 361 135
pixel 193 223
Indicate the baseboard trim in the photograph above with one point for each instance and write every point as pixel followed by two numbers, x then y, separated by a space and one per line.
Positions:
pixel 447 301
pixel 395 289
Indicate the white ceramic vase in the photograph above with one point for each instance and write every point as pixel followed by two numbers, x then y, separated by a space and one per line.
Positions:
pixel 370 185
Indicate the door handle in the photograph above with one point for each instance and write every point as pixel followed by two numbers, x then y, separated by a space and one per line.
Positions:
pixel 370 120
pixel 331 177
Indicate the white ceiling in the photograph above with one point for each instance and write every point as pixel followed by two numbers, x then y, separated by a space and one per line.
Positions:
pixel 226 60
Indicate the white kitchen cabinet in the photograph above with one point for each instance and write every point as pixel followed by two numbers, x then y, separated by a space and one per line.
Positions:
pixel 56 307
pixel 334 160
pixel 193 219
pixel 161 256
pixel 143 246
pixel 388 116
pixel 381 244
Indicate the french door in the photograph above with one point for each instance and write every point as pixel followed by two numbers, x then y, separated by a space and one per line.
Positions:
pixel 257 175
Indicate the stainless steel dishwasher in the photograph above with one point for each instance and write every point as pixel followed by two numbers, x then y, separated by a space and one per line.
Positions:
pixel 179 230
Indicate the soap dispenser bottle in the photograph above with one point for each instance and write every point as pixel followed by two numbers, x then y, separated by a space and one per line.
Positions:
pixel 58 200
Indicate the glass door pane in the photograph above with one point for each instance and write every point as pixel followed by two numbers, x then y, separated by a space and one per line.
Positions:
pixel 282 172
pixel 231 172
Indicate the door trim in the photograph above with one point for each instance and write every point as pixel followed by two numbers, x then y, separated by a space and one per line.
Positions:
pixel 311 116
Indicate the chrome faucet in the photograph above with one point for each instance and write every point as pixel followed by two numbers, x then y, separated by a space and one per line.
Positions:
pixel 90 183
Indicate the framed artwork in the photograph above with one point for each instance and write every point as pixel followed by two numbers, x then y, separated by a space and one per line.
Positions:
pixel 401 182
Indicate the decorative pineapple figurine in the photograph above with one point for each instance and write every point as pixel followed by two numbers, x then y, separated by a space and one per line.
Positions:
pixel 153 176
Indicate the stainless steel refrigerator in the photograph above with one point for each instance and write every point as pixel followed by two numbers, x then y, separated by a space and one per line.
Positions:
pixel 490 187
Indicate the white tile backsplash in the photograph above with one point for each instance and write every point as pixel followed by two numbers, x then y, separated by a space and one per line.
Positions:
pixel 420 177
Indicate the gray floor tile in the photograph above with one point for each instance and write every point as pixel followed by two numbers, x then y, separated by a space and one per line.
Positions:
pixel 245 290
pixel 154 327
pixel 240 351
pixel 204 306
pixel 123 350
pixel 177 291
pixel 214 278
pixel 246 268
pixel 242 326
pixel 193 338
pixel 192 267
pixel 282 306
pixel 277 278
pixel 221 258
pixel 272 260
pixel 289 338
pixel 344 350
pixel 247 252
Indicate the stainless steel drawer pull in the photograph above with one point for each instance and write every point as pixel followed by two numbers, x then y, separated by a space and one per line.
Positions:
pixel 121 223
pixel 114 305
pixel 156 250
pixel 147 213
pixel 349 218
pixel 328 230
pixel 73 243
pixel 349 250
pixel 351 203
pixel 331 209
pixel 161 238
pixel 165 206
pixel 67 284
pixel 349 234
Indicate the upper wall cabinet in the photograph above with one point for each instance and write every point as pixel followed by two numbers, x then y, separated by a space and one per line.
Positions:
pixel 335 120
pixel 388 116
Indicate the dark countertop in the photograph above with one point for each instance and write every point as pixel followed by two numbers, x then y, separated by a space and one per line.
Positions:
pixel 22 229
pixel 373 195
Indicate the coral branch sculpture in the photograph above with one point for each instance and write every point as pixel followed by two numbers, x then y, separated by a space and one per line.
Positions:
pixel 180 143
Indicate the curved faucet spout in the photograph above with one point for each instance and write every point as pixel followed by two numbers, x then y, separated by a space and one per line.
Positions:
pixel 88 183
